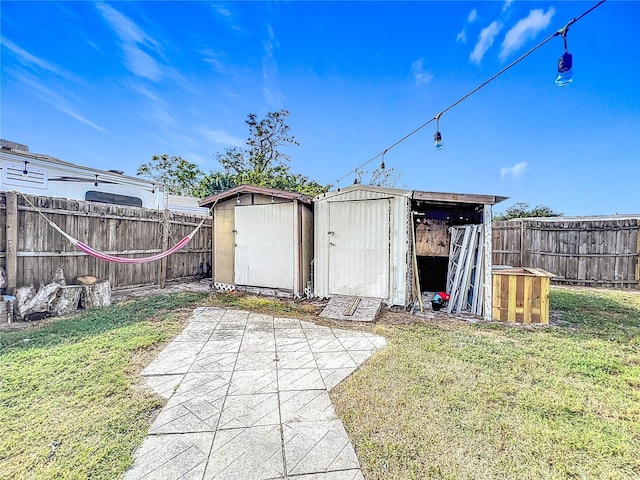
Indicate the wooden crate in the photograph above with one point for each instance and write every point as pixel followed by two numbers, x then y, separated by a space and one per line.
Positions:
pixel 6 311
pixel 521 295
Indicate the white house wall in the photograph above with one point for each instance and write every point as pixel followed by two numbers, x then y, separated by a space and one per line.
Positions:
pixel 398 243
pixel 54 178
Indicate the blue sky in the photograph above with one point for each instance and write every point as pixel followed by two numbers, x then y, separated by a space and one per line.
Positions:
pixel 109 84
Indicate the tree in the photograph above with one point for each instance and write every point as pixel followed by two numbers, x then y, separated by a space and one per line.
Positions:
pixel 179 176
pixel 261 164
pixel 266 137
pixel 379 177
pixel 522 210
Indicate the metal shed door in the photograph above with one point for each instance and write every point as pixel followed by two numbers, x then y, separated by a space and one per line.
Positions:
pixel 359 248
pixel 264 252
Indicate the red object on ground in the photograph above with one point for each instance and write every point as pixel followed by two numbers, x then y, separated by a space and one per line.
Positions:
pixel 445 296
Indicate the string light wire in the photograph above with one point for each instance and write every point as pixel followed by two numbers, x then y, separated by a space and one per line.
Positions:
pixel 562 31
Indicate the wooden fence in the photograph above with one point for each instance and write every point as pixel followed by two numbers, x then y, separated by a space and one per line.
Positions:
pixel 31 250
pixel 593 252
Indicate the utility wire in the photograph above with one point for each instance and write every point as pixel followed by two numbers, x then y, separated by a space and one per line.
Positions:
pixel 561 31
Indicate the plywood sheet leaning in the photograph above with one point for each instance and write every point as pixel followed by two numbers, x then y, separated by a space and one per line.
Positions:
pixel 432 238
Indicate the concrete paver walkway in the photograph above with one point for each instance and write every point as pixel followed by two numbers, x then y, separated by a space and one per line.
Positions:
pixel 248 399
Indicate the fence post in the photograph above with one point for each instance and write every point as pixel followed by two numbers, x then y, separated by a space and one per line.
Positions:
pixel 638 258
pixel 521 244
pixel 12 240
pixel 165 246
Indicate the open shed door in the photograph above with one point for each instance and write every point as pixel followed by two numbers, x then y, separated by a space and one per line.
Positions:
pixel 264 253
pixel 359 248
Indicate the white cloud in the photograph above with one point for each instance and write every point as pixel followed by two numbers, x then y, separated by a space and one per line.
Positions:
pixel 227 16
pixel 462 35
pixel 507 4
pixel 55 100
pixel 527 28
pixel 271 90
pixel 514 172
pixel 420 75
pixel 133 37
pixel 31 60
pixel 222 137
pixel 485 40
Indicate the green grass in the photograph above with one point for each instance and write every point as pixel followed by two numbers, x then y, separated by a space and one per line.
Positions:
pixel 285 308
pixel 464 401
pixel 70 404
pixel 445 399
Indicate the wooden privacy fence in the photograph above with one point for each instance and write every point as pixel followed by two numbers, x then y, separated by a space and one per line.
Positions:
pixel 31 250
pixel 584 252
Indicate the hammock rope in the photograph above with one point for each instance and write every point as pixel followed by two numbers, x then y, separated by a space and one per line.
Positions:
pixel 113 258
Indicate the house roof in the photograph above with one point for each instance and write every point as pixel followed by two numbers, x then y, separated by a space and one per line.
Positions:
pixel 242 189
pixel 439 197
pixel 38 159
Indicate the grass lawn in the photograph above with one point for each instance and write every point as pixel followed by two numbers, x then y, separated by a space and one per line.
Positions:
pixel 71 401
pixel 70 406
pixel 456 400
pixel 445 399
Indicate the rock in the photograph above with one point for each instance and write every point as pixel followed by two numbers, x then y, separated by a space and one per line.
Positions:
pixel 23 297
pixel 38 306
pixel 67 300
pixel 85 280
pixel 58 277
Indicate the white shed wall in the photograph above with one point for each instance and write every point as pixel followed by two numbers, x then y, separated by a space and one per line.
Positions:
pixel 398 240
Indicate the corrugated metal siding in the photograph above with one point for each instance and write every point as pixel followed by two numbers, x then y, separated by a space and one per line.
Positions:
pixel 399 287
pixel 264 253
pixel 359 248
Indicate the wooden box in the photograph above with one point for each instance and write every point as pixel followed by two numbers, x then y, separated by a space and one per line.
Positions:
pixel 6 311
pixel 521 295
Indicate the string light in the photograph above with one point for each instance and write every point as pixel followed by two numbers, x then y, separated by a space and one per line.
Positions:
pixel 382 165
pixel 565 63
pixel 479 87
pixel 96 182
pixel 25 172
pixel 437 137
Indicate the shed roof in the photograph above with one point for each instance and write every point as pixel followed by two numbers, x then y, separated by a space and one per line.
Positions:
pixel 241 189
pixel 421 195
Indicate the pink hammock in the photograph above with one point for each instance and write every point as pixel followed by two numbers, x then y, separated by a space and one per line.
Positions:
pixel 112 258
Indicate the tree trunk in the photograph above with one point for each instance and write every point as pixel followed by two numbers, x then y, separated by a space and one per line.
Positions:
pixel 67 300
pixel 96 295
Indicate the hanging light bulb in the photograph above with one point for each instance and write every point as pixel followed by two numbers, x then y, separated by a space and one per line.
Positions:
pixel 25 172
pixel 96 182
pixel 382 165
pixel 565 63
pixel 238 198
pixel 437 137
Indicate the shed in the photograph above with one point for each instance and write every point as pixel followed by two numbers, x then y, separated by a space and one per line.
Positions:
pixel 364 241
pixel 262 239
